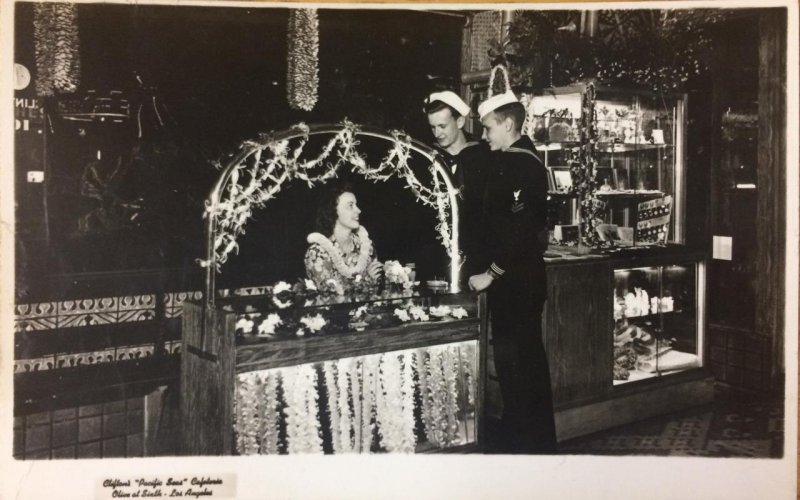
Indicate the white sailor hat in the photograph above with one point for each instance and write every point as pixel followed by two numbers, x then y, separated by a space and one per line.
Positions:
pixel 495 102
pixel 451 99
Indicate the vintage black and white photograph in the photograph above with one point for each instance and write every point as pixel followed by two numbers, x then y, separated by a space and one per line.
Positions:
pixel 246 229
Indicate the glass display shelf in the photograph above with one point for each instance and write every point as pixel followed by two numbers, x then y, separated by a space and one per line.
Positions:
pixel 639 155
pixel 657 321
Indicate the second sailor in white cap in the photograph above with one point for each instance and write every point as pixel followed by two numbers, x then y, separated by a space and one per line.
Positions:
pixel 468 161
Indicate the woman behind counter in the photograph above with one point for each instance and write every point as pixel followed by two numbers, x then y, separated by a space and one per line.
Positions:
pixel 341 258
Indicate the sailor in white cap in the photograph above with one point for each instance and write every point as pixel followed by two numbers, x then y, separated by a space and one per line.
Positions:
pixel 515 217
pixel 468 161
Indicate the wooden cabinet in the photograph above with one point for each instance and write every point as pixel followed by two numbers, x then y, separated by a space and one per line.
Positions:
pixel 577 325
pixel 580 322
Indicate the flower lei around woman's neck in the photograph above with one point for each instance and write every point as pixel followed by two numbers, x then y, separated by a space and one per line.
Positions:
pixel 336 254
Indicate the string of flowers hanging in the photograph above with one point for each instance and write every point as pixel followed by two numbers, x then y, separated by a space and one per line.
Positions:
pixel 247 415
pixel 371 403
pixel 260 170
pixel 302 424
pixel 302 73
pixel 583 167
pixel 56 48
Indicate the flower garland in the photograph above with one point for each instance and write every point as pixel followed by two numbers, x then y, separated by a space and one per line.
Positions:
pixel 257 178
pixel 302 424
pixel 450 424
pixel 336 255
pixel 345 428
pixel 57 47
pixel 364 394
pixel 582 167
pixel 395 403
pixel 246 413
pixel 370 395
pixel 302 74
pixel 426 413
pixel 268 404
pixel 334 410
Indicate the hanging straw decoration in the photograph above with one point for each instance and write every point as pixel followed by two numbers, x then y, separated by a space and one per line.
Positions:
pixel 492 78
pixel 302 76
pixel 56 43
pixel 527 125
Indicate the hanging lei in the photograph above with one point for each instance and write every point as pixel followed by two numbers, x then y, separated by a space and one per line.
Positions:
pixel 451 405
pixel 409 443
pixel 356 384
pixel 437 397
pixel 57 47
pixel 370 394
pixel 423 368
pixel 345 429
pixel 336 254
pixel 246 411
pixel 268 403
pixel 389 403
pixel 302 424
pixel 302 73
pixel 328 369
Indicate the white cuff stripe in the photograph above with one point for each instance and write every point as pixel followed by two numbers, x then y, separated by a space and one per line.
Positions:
pixel 497 270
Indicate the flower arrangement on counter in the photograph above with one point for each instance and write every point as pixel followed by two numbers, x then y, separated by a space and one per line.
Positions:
pixel 396 274
pixel 388 402
pixel 300 310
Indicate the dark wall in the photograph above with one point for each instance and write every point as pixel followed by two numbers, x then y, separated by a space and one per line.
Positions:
pixel 218 77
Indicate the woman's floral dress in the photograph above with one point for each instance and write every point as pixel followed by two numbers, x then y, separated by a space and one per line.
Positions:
pixel 335 272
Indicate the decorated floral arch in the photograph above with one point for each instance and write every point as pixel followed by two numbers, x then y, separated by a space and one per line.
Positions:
pixel 257 172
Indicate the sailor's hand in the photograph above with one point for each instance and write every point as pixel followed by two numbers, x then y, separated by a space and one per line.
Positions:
pixel 480 282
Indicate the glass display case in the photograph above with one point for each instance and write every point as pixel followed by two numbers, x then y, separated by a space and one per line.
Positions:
pixel 639 153
pixel 396 371
pixel 658 320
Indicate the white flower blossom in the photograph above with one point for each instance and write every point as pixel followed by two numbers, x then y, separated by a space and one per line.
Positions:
pixel 402 315
pixel 418 313
pixel 310 285
pixel 245 324
pixel 280 303
pixel 280 287
pixel 359 312
pixel 314 323
pixel 459 312
pixel 300 332
pixel 267 327
pixel 440 311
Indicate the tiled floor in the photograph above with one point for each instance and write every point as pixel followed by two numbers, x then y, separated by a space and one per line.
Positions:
pixel 735 425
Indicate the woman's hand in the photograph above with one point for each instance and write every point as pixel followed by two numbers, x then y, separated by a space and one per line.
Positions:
pixel 374 269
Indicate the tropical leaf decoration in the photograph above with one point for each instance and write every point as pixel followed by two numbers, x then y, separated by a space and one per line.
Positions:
pixel 661 50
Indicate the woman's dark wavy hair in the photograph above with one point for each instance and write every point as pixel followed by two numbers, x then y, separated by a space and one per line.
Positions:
pixel 326 210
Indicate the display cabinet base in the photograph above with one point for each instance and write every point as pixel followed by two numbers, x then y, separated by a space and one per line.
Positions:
pixel 631 406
